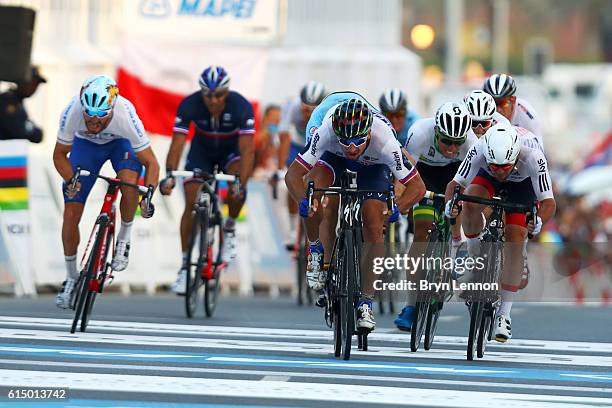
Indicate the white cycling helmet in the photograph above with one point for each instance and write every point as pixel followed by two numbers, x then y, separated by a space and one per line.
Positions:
pixel 453 120
pixel 502 145
pixel 393 100
pixel 480 104
pixel 312 93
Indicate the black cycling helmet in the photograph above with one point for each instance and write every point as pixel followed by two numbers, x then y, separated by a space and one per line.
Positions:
pixel 352 119
pixel 499 86
pixel 393 100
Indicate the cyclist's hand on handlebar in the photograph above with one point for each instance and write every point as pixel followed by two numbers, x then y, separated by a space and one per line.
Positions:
pixel 534 228
pixel 394 217
pixel 305 210
pixel 146 210
pixel 452 212
pixel 166 185
pixel 71 189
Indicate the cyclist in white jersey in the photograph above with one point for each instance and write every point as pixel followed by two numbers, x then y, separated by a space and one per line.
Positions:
pixel 482 110
pixel 438 145
pixel 500 160
pixel 295 114
pixel 517 110
pixel 96 126
pixel 353 136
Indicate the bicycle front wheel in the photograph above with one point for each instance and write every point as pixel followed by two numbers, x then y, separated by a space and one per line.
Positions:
pixel 194 270
pixel 347 295
pixel 214 267
pixel 476 311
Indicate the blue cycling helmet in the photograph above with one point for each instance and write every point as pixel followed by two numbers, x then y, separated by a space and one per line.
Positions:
pixel 214 78
pixel 98 95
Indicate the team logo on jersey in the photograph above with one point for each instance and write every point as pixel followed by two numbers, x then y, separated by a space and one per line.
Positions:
pixel 432 151
pixel 313 147
pixel 312 130
pixel 370 158
pixel 397 160
pixel 227 116
pixel 250 122
pixel 541 166
pixel 178 120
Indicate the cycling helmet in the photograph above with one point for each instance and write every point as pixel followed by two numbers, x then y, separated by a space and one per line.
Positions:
pixel 98 95
pixel 480 104
pixel 453 120
pixel 352 119
pixel 499 85
pixel 312 93
pixel 214 78
pixel 502 145
pixel 393 100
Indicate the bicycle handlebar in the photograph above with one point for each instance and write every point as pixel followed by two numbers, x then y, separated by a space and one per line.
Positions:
pixel 115 181
pixel 310 190
pixel 196 173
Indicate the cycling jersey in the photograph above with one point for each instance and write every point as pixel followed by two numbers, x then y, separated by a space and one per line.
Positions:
pixel 421 144
pixel 526 117
pixel 383 148
pixel 330 101
pixel 211 132
pixel 216 139
pixel 292 121
pixel 125 124
pixel 531 165
pixel 499 118
pixel 411 118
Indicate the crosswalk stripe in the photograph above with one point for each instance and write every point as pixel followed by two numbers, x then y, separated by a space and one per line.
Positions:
pixel 291 334
pixel 316 349
pixel 300 391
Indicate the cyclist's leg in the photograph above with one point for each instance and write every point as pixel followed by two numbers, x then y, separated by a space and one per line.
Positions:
pixel 86 155
pixel 484 186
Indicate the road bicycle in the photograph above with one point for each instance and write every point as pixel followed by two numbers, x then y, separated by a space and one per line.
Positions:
pixel 97 268
pixel 206 240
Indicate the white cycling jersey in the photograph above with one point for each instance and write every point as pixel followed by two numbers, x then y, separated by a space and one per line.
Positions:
pixel 383 148
pixel 499 118
pixel 526 117
pixel 421 144
pixel 292 121
pixel 125 124
pixel 531 164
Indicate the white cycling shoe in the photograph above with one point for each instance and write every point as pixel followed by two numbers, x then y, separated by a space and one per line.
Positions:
pixel 366 317
pixel 315 275
pixel 64 296
pixel 180 285
pixel 121 256
pixel 503 331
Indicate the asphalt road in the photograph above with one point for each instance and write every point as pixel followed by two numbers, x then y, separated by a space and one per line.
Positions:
pixel 143 351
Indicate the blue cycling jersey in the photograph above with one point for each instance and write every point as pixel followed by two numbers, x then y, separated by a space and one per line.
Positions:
pixel 402 135
pixel 213 133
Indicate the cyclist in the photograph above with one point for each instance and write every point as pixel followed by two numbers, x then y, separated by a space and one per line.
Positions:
pixel 517 110
pixel 224 129
pixel 438 144
pixel 500 160
pixel 483 112
pixel 96 126
pixel 352 136
pixel 394 105
pixel 295 116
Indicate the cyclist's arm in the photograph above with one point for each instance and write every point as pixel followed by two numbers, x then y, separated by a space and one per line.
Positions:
pixel 149 161
pixel 61 162
pixel 246 145
pixel 294 179
pixel 176 150
pixel 283 148
pixel 547 209
pixel 405 171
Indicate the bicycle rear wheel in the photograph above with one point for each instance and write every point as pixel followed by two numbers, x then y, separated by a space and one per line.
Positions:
pixel 216 265
pixel 433 314
pixel 194 271
pixel 485 330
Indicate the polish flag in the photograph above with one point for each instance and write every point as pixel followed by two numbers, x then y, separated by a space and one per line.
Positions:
pixel 156 75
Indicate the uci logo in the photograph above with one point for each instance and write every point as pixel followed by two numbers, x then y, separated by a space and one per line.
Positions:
pixel 155 8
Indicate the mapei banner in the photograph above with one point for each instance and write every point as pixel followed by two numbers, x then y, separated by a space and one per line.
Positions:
pixel 218 21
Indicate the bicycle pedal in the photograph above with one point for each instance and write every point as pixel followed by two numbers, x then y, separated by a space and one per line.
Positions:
pixel 321 301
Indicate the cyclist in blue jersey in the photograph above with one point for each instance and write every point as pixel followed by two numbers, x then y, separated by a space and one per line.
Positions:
pixel 224 128
pixel 394 105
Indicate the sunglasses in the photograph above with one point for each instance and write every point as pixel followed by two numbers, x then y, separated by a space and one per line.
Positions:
pixel 482 123
pixel 504 102
pixel 357 141
pixel 97 114
pixel 501 167
pixel 218 94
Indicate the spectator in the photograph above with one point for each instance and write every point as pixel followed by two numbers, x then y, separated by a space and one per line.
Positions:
pixel 14 121
pixel 266 137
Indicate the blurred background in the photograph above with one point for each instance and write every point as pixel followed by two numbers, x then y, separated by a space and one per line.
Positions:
pixel 559 51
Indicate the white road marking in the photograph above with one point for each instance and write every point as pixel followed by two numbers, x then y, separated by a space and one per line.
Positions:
pixel 286 390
